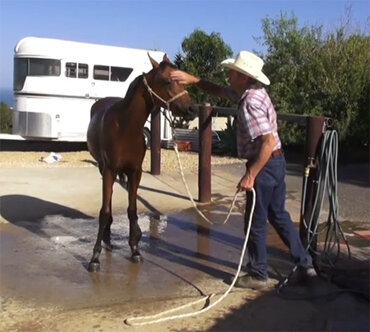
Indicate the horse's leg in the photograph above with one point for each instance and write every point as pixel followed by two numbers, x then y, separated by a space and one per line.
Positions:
pixel 135 231
pixel 105 217
pixel 106 236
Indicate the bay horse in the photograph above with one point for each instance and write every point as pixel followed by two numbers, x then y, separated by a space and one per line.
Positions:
pixel 115 139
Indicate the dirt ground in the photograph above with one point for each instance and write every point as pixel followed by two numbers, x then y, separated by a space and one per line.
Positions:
pixel 321 306
pixel 242 310
pixel 169 162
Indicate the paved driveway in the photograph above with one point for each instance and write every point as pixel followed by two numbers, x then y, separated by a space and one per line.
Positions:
pixel 48 226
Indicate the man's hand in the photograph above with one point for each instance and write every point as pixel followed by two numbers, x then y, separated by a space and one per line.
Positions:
pixel 183 77
pixel 246 182
pixel 267 144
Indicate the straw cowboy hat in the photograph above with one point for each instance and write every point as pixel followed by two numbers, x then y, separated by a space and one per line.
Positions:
pixel 249 64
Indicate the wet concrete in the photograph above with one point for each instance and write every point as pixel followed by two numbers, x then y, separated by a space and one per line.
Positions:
pixel 48 228
pixel 47 257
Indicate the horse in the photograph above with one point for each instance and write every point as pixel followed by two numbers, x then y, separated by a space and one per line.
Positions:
pixel 115 139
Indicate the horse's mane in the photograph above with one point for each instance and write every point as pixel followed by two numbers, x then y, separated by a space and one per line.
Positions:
pixel 132 88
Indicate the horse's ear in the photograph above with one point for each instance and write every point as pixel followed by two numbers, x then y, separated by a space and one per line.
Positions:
pixel 166 58
pixel 154 63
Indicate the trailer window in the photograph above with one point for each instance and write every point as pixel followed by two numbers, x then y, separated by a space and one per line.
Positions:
pixel 83 70
pixel 43 67
pixel 120 74
pixel 74 70
pixel 20 73
pixel 24 67
pixel 101 73
pixel 71 69
pixel 115 74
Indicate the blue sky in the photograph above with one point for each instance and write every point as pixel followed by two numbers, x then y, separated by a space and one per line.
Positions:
pixel 157 24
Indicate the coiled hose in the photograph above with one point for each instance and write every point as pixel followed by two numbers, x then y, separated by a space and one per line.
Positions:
pixel 326 182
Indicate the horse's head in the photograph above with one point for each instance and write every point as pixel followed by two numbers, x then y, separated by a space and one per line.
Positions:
pixel 172 95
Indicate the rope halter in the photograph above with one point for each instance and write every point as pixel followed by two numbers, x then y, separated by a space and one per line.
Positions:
pixel 152 93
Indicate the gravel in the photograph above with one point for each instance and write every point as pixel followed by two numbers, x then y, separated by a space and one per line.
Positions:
pixel 189 160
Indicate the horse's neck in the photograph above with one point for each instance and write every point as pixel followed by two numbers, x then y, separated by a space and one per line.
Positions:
pixel 138 107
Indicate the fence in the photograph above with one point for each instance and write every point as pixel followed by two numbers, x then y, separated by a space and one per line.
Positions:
pixel 315 127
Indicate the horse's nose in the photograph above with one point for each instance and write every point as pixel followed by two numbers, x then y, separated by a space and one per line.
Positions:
pixel 192 112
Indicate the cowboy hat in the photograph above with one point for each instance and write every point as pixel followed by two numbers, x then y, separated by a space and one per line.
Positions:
pixel 249 64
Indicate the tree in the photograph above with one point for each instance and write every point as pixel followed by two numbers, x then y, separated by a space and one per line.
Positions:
pixel 5 118
pixel 314 73
pixel 202 56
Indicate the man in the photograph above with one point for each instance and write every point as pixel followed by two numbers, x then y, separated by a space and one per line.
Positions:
pixel 258 142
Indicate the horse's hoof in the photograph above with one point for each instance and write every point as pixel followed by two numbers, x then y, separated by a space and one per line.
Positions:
pixel 137 258
pixel 107 246
pixel 93 267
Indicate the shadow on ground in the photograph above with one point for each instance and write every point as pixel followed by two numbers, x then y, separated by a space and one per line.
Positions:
pixel 269 312
pixel 17 208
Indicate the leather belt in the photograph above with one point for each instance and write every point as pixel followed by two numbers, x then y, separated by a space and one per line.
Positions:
pixel 276 153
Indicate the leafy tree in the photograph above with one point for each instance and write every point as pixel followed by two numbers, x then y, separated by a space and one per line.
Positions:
pixel 314 73
pixel 202 55
pixel 5 118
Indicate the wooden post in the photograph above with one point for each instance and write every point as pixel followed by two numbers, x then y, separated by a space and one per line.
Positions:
pixel 155 142
pixel 315 127
pixel 205 151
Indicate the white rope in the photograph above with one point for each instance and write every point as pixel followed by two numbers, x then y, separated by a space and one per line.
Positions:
pixel 166 102
pixel 169 118
pixel 191 196
pixel 153 319
pixel 186 184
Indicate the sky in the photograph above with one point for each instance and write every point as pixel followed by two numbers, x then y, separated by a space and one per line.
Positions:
pixel 158 24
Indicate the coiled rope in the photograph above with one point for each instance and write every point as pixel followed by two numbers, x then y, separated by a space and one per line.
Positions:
pixel 158 318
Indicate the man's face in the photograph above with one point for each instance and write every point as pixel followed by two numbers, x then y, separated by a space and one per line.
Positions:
pixel 238 81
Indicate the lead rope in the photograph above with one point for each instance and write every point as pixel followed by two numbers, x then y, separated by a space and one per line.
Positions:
pixel 153 319
pixel 166 102
pixel 191 196
pixel 170 119
pixel 186 184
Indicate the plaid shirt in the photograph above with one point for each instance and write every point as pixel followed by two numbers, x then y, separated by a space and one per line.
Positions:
pixel 256 117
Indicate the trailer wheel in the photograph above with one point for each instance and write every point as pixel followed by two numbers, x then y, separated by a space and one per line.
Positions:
pixel 147 137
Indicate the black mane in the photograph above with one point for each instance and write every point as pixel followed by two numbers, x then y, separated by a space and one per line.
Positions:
pixel 132 87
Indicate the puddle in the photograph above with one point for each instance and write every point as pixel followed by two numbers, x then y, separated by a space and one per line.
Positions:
pixel 183 256
pixel 78 236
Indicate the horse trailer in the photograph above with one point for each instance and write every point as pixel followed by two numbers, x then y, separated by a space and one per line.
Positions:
pixel 57 81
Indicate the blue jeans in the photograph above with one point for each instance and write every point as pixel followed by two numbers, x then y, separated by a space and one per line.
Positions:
pixel 270 205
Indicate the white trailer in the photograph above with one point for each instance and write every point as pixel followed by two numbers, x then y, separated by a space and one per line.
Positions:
pixel 57 81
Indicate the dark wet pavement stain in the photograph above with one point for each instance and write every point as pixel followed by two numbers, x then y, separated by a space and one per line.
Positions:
pixel 48 255
pixel 46 258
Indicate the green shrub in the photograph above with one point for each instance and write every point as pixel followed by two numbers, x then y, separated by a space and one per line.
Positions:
pixel 5 118
pixel 319 73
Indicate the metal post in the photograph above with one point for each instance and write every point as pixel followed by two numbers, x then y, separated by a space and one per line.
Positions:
pixel 155 142
pixel 314 129
pixel 205 150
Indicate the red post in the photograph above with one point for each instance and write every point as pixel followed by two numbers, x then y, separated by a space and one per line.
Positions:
pixel 155 142
pixel 205 151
